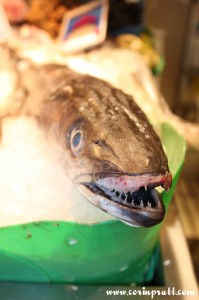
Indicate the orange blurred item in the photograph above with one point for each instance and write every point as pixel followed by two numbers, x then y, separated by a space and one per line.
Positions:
pixel 16 10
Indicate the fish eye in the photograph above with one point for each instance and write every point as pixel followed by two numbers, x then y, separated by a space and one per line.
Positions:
pixel 76 141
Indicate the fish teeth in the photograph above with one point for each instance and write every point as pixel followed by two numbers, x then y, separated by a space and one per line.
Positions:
pixel 117 194
pixel 123 196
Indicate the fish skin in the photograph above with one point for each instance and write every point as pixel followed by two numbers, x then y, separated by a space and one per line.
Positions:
pixel 117 137
pixel 132 75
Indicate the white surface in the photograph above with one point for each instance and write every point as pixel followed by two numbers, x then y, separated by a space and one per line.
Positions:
pixel 34 185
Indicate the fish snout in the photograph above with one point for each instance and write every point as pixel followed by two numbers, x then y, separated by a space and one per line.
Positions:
pixel 166 181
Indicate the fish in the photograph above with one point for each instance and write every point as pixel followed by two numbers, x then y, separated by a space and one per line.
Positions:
pixel 107 145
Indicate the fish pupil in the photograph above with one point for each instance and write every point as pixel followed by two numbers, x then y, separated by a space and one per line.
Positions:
pixel 76 139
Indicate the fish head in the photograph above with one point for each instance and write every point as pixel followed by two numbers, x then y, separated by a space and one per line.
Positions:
pixel 111 151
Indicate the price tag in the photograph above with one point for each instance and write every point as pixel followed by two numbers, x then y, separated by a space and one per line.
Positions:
pixel 84 26
pixel 5 28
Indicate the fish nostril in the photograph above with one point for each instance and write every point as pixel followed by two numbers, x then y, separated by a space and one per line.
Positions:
pixel 99 143
pixel 117 194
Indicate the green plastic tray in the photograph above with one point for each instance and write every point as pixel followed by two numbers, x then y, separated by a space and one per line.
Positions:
pixel 110 252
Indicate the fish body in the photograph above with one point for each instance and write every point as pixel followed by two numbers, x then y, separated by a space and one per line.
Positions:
pixel 108 147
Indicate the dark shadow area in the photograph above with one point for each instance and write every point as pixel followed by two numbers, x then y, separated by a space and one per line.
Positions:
pixel 194 250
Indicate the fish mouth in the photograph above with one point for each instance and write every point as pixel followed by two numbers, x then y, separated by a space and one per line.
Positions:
pixel 131 198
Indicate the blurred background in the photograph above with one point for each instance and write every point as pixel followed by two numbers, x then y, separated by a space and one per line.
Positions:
pixel 178 22
pixel 170 33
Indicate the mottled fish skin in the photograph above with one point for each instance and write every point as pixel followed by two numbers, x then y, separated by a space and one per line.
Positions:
pixel 116 137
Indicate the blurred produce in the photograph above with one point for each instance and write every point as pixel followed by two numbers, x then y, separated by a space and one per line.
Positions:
pixel 144 46
pixel 48 15
pixel 44 14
